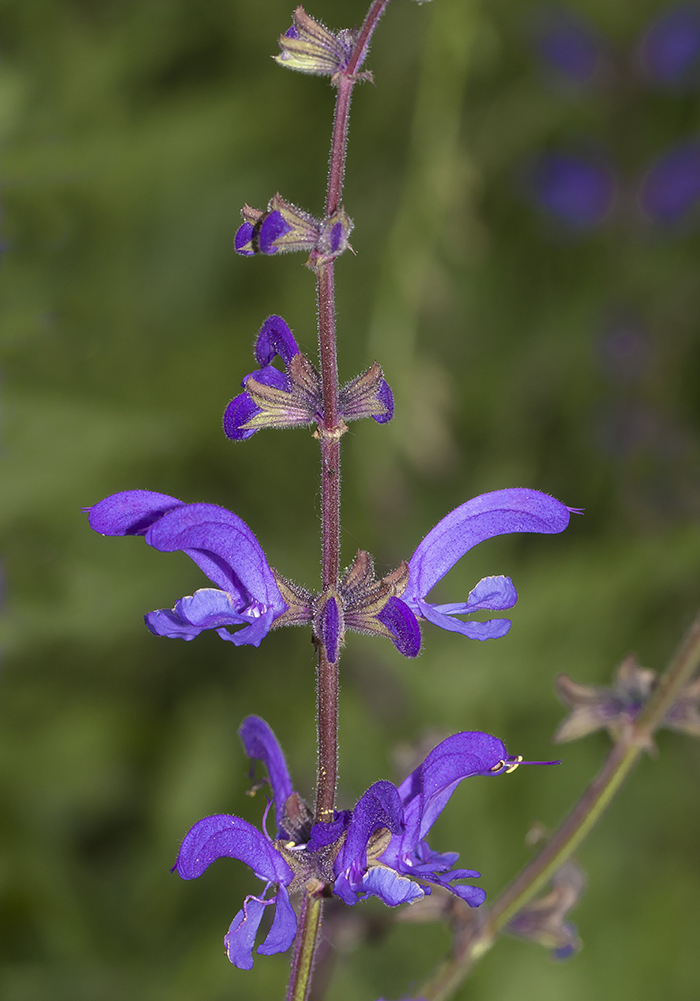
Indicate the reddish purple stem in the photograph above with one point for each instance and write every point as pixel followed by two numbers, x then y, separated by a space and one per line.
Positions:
pixel 327 691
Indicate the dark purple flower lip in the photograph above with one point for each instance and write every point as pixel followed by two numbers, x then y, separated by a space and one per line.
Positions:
pixel 284 228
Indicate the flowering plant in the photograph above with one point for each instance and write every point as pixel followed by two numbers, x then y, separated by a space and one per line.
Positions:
pixel 378 848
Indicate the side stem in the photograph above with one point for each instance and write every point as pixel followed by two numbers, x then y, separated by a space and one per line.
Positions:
pixel 585 814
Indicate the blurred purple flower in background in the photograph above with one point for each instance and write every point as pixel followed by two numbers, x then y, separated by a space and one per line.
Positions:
pixel 671 186
pixel 567 43
pixel 575 190
pixel 669 52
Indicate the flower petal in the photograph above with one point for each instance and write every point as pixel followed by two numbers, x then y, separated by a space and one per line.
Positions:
pixel 401 623
pixel 490 630
pixel 275 338
pixel 260 742
pixel 237 413
pixel 223 546
pixel 426 791
pixel 243 240
pixel 494 593
pixel 391 888
pixel 497 513
pixel 130 512
pixel 210 608
pixel 274 226
pixel 379 807
pixel 240 939
pixel 284 927
pixel 225 836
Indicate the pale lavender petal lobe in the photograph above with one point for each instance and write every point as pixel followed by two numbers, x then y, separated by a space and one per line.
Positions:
pixel 391 888
pixel 493 629
pixel 240 939
pixel 284 927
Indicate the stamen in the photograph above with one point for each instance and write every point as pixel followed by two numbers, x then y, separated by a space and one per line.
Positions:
pixel 264 820
pixel 510 764
pixel 256 787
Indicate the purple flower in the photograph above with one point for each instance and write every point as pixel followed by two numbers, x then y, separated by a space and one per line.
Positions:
pixel 497 513
pixel 670 48
pixel 221 545
pixel 283 228
pixel 671 186
pixel 294 397
pixel 569 44
pixel 376 849
pixel 578 191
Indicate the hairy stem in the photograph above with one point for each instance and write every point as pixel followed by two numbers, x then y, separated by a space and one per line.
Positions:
pixel 331 428
pixel 329 434
pixel 585 814
pixel 303 963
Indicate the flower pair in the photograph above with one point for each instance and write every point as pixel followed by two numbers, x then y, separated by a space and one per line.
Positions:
pixel 251 595
pixel 376 849
pixel 294 397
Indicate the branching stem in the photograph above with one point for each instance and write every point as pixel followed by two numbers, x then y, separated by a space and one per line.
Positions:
pixel 585 814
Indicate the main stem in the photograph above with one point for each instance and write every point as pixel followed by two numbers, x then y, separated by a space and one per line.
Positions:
pixel 575 828
pixel 330 431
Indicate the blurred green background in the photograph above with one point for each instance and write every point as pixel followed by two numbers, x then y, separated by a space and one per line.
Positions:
pixel 520 353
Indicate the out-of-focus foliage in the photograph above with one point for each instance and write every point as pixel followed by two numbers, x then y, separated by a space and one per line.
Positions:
pixel 521 353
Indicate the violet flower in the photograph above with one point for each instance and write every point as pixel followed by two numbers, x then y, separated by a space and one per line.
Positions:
pixel 221 545
pixel 670 49
pixel 376 849
pixel 283 228
pixel 569 44
pixel 577 191
pixel 294 397
pixel 497 513
pixel 671 187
